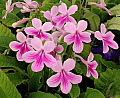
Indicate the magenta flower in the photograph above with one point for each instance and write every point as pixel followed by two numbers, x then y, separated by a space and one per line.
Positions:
pixel 91 65
pixel 65 16
pixel 39 30
pixel 77 35
pixel 40 56
pixel 102 5
pixel 22 46
pixel 64 77
pixel 107 39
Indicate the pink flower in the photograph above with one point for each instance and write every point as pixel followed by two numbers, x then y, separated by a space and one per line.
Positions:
pixel 64 77
pixel 91 65
pixel 102 5
pixel 23 46
pixel 107 39
pixel 65 16
pixel 39 30
pixel 77 36
pixel 40 56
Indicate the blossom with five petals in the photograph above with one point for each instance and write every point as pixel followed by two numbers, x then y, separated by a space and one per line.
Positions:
pixel 107 38
pixel 77 35
pixel 22 47
pixel 91 65
pixel 64 77
pixel 41 56
pixel 39 30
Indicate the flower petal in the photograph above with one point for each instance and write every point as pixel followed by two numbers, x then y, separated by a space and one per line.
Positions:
pixel 74 79
pixel 70 27
pixel 112 44
pixel 21 37
pixel 31 31
pixel 14 45
pixel 49 60
pixel 62 8
pixel 82 25
pixel 44 36
pixel 105 47
pixel 94 74
pixel 58 67
pixel 54 11
pixel 47 26
pixel 93 64
pixel 36 23
pixel 69 64
pixel 102 3
pixel 69 38
pixel 59 48
pixel 19 55
pixel 98 35
pixel 54 80
pixel 71 19
pixel 72 9
pixel 85 37
pixel 102 28
pixel 90 57
pixel 49 46
pixel 109 36
pixel 47 15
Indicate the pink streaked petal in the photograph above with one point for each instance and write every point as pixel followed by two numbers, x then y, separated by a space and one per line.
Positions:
pixel 45 36
pixel 85 37
pixel 105 47
pixel 19 55
pixel 54 80
pixel 88 72
pixel 59 48
pixel 29 41
pixel 37 65
pixel 62 8
pixel 112 44
pixel 102 3
pixel 49 60
pixel 102 28
pixel 78 45
pixel 109 36
pixel 47 15
pixel 21 37
pixel 69 64
pixel 14 45
pixel 54 11
pixel 94 74
pixel 70 27
pixel 47 26
pixel 72 9
pixel 31 31
pixel 74 79
pixel 90 57
pixel 93 64
pixel 65 85
pixel 71 19
pixel 57 67
pixel 56 34
pixel 69 38
pixel 98 35
pixel 49 46
pixel 36 43
pixel 82 25
pixel 36 23
pixel 30 56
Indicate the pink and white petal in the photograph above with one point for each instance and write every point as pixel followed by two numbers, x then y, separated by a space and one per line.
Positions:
pixel 30 56
pixel 54 11
pixel 105 47
pixel 98 35
pixel 71 19
pixel 74 79
pixel 21 37
pixel 58 67
pixel 47 15
pixel 82 25
pixel 49 46
pixel 47 26
pixel 77 46
pixel 56 34
pixel 85 37
pixel 65 85
pixel 37 65
pixel 109 36
pixel 45 36
pixel 29 41
pixel 14 45
pixel 36 43
pixel 62 8
pixel 31 31
pixel 93 64
pixel 36 23
pixel 102 28
pixel 59 48
pixel 112 44
pixel 69 38
pixel 90 57
pixel 70 27
pixel 102 3
pixel 19 56
pixel 88 72
pixel 49 60
pixel 94 74
pixel 28 1
pixel 69 64
pixel 72 9
pixel 54 80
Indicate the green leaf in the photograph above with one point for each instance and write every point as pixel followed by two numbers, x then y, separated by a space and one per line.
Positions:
pixel 113 24
pixel 40 94
pixel 7 89
pixel 57 95
pixel 93 93
pixel 93 19
pixel 2 7
pixel 115 10
pixel 46 7
pixel 75 91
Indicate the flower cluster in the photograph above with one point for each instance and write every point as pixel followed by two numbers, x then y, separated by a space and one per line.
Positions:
pixel 42 44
